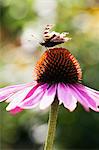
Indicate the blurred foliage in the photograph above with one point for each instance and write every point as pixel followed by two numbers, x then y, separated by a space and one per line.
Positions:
pixel 14 14
pixel 77 130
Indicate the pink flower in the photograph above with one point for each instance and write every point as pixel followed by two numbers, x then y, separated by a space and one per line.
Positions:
pixel 57 74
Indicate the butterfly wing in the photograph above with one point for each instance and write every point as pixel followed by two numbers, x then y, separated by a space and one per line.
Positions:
pixel 47 35
pixel 61 38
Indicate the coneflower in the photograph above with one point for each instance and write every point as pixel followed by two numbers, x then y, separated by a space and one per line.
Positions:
pixel 57 81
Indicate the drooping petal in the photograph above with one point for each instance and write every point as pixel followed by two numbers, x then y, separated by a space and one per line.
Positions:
pixel 15 110
pixel 87 99
pixel 20 96
pixel 65 95
pixel 4 97
pixel 91 90
pixel 93 93
pixel 92 96
pixel 8 91
pixel 48 97
pixel 83 101
pixel 33 101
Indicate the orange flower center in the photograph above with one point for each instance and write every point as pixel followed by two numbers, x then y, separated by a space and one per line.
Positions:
pixel 57 65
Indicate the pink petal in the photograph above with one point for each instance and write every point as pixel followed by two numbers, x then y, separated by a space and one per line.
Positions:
pixel 87 98
pixel 17 98
pixel 48 97
pixel 15 110
pixel 33 101
pixel 65 95
pixel 91 95
pixel 91 92
pixel 84 93
pixel 11 87
pixel 31 92
pixel 4 97
pixel 6 92
pixel 79 97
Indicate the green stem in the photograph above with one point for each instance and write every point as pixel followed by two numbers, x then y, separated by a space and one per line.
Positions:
pixel 51 126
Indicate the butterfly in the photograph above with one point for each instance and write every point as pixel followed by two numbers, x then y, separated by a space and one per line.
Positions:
pixel 53 38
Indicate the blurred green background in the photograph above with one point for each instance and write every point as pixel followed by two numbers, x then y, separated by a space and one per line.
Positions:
pixel 19 51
